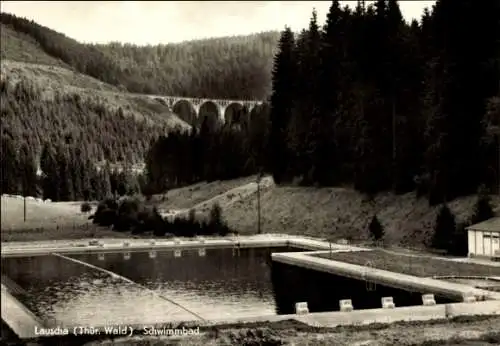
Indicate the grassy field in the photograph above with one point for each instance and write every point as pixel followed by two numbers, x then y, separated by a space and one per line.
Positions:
pixel 47 221
pixel 422 266
pixel 195 195
pixel 331 213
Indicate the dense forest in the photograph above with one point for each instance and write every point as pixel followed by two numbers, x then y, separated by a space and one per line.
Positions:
pixel 230 67
pixel 373 102
pixel 64 136
pixel 387 105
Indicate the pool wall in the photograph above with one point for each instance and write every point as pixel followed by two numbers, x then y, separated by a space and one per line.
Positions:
pixel 322 291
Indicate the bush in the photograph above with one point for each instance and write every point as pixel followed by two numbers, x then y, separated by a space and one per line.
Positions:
pixel 86 207
pixel 460 246
pixel 376 229
pixel 444 229
pixel 133 215
pixel 482 209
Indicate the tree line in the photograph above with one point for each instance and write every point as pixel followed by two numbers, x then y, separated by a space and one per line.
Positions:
pixel 230 67
pixel 364 101
pixel 208 153
pixel 375 102
pixel 51 146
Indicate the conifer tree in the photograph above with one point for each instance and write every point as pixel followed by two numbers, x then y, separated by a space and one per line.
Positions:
pixel 444 229
pixel 376 229
pixel 482 209
pixel 283 81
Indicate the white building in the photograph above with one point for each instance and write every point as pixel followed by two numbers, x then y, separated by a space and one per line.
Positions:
pixel 484 238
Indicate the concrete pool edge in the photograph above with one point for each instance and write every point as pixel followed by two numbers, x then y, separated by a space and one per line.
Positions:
pixel 383 277
pixel 310 246
pixel 18 317
pixel 16 249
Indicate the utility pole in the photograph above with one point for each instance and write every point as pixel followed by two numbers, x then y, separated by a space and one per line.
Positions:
pixel 24 207
pixel 24 197
pixel 259 177
pixel 394 152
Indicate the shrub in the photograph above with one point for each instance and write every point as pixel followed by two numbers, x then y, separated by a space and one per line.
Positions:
pixel 86 207
pixel 460 246
pixel 216 214
pixel 482 209
pixel 444 229
pixel 376 229
pixel 129 214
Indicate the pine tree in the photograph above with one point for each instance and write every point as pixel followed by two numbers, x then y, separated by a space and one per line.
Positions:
pixel 332 54
pixel 9 166
pixel 283 90
pixel 28 170
pixel 376 229
pixel 444 229
pixel 482 210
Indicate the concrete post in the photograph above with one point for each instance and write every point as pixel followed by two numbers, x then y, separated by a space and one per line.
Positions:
pixel 428 299
pixel 469 297
pixel 301 308
pixel 388 303
pixel 346 305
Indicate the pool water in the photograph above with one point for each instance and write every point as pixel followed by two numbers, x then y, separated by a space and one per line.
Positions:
pixel 220 283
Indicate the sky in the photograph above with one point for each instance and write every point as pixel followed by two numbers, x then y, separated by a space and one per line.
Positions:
pixel 161 22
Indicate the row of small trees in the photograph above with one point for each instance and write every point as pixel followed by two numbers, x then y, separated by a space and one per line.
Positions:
pixel 449 235
pixel 136 216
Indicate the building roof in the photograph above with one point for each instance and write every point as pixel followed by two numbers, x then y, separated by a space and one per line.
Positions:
pixel 491 225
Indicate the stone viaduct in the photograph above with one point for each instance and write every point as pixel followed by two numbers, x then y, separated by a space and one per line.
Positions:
pixel 219 112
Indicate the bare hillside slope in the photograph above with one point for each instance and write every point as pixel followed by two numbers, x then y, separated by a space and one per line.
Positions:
pixel 325 212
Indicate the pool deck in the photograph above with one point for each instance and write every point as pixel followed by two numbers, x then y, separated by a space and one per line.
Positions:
pixel 16 249
pixel 24 323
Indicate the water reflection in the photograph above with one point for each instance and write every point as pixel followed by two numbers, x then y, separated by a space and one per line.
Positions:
pixel 64 293
pixel 221 283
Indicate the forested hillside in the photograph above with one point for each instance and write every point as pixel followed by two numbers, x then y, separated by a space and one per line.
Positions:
pixel 65 135
pixel 65 107
pixel 373 102
pixel 229 67
pixel 385 105
pixel 367 100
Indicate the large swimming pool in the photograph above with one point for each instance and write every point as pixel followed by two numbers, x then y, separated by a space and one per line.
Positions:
pixel 144 287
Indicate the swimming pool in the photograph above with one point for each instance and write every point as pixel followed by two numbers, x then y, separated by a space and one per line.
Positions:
pixel 99 288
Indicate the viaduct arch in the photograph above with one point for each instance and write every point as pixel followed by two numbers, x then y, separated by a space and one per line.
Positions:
pixel 217 112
